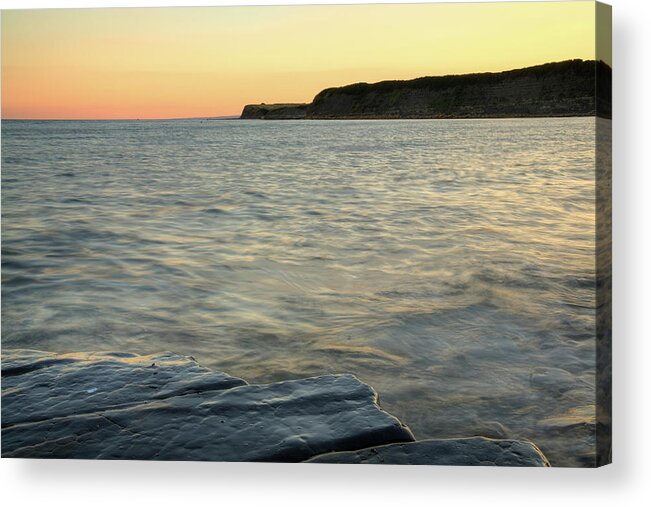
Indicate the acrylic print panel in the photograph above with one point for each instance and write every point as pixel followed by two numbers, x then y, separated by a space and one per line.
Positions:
pixel 331 234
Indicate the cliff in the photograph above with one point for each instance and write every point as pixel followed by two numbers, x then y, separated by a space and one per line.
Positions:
pixel 274 111
pixel 566 88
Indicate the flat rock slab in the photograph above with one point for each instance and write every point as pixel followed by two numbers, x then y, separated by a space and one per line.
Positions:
pixel 477 451
pixel 41 385
pixel 167 407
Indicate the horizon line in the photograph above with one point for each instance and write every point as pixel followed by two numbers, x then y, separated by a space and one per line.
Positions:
pixel 173 118
pixel 236 116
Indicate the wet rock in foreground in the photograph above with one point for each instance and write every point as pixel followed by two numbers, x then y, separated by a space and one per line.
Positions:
pixel 477 451
pixel 166 407
pixel 42 385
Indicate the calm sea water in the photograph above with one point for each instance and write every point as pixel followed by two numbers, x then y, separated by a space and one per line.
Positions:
pixel 448 263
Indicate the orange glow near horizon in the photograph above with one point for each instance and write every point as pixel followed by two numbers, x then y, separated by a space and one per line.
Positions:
pixel 211 61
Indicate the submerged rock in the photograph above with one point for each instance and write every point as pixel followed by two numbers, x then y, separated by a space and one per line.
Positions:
pixel 477 451
pixel 167 407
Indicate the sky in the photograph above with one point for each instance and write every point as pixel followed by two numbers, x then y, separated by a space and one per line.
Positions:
pixel 210 61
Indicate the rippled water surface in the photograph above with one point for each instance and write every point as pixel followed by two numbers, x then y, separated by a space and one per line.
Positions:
pixel 448 263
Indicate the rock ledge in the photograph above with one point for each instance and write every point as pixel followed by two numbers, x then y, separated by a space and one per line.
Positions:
pixel 113 405
pixel 476 451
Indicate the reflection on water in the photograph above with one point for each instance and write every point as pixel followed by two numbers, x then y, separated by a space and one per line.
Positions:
pixel 448 263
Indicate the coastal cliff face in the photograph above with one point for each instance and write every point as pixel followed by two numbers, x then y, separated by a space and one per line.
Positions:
pixel 274 111
pixel 555 89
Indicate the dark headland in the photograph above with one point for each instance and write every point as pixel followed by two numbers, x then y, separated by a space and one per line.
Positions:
pixel 568 88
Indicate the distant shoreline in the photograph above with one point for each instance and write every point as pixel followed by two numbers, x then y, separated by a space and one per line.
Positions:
pixel 313 119
pixel 572 88
pixel 198 118
pixel 558 89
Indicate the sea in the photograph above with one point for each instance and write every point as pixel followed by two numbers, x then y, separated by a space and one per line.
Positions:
pixel 450 264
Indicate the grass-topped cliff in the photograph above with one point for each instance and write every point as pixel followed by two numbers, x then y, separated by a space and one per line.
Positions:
pixel 569 88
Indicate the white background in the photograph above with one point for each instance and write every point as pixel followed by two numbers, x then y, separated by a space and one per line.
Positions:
pixel 627 482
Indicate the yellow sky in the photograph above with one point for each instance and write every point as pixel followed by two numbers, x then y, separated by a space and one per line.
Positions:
pixel 188 62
